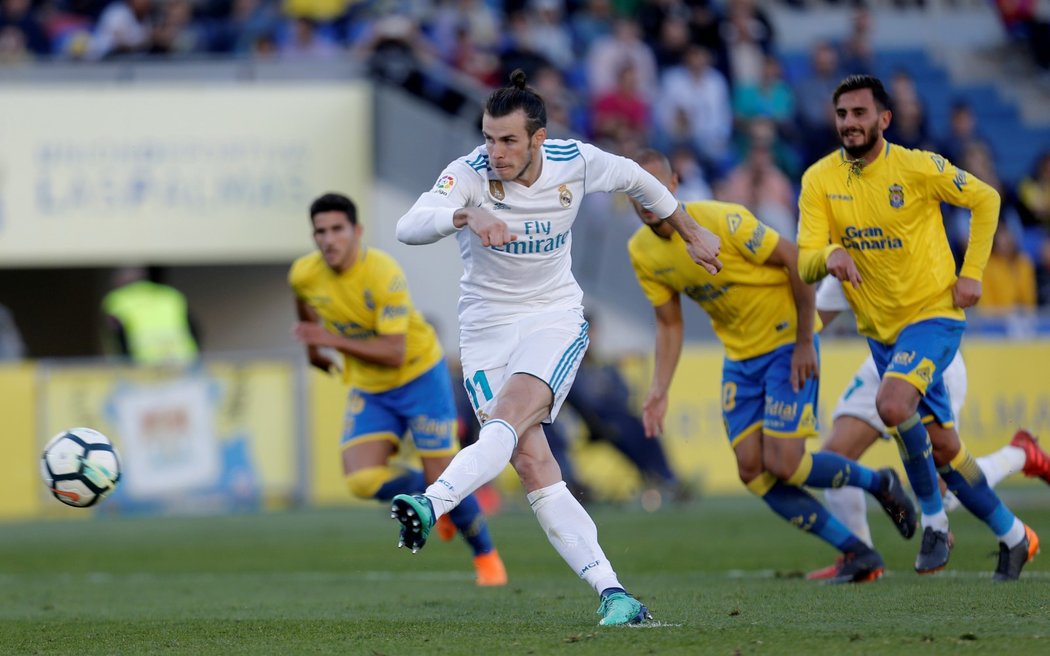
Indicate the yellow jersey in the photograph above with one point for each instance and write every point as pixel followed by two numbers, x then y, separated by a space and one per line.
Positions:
pixel 750 303
pixel 888 218
pixel 370 298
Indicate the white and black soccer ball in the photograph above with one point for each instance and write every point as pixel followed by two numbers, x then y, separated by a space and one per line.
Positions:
pixel 80 467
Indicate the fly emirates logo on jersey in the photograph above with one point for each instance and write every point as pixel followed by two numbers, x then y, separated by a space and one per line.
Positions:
pixel 537 238
pixel 869 239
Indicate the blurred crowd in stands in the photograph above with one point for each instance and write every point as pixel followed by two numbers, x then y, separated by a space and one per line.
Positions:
pixel 702 80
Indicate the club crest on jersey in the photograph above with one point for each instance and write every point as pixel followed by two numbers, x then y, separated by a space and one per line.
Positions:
pixel 896 196
pixel 564 196
pixel 444 184
pixel 370 302
pixel 496 189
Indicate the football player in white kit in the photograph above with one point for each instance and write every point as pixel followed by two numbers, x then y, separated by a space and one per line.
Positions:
pixel 856 426
pixel 511 204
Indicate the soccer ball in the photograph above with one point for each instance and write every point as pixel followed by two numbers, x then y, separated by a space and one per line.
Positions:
pixel 80 467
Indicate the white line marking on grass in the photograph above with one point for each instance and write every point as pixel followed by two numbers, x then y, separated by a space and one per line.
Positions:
pixel 652 624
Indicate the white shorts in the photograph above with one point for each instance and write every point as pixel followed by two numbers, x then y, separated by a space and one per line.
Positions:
pixel 858 399
pixel 548 346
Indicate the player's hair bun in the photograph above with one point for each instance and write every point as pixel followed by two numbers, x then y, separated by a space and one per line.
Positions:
pixel 517 78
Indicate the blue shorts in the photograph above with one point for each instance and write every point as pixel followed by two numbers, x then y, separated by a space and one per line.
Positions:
pixel 756 393
pixel 424 406
pixel 921 355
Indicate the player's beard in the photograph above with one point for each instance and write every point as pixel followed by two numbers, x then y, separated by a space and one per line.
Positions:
pixel 871 137
pixel 521 172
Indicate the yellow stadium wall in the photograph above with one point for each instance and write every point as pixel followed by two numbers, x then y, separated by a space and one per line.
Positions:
pixel 1009 388
pixel 327 401
pixel 22 485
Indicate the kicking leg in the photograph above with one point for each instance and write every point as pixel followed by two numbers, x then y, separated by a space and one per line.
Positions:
pixel 470 521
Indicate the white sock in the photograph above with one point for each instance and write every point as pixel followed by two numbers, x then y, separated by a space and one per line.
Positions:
pixel 474 466
pixel 938 521
pixel 1005 462
pixel 849 506
pixel 1014 536
pixel 950 501
pixel 573 534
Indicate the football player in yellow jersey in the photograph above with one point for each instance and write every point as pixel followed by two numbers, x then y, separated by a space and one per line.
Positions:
pixel 765 317
pixel 355 300
pixel 870 216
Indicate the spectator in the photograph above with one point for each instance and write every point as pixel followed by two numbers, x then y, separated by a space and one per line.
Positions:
pixel 549 33
pixel 564 113
pixel 692 183
pixel 1027 23
pixel 652 14
pixel 962 131
pixel 591 22
pixel 396 51
pixel 909 126
pixel 149 322
pixel 21 33
pixel 694 109
pixel 249 20
pixel 977 160
pixel 517 50
pixel 1009 278
pixel 858 55
pixel 621 116
pixel 1034 204
pixel 176 33
pixel 1034 194
pixel 450 19
pixel 759 184
pixel 816 114
pixel 318 11
pixel 769 97
pixel 611 52
pixel 748 37
pixel 672 42
pixel 665 25
pixel 705 21
pixel 474 61
pixel 308 42
pixel 124 28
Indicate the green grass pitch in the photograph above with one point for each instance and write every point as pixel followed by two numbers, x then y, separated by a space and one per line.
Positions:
pixel 721 575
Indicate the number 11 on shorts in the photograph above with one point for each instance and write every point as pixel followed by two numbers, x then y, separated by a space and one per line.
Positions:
pixel 478 383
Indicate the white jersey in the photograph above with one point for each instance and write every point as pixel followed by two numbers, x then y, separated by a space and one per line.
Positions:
pixel 502 284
